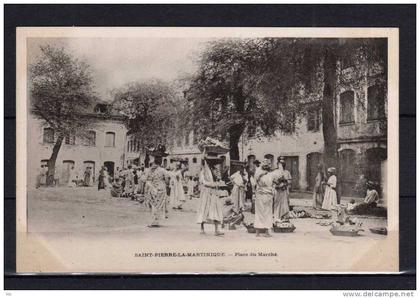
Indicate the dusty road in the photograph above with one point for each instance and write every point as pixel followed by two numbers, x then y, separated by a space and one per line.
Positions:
pixel 69 221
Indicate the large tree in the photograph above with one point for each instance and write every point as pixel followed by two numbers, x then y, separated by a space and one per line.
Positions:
pixel 224 96
pixel 259 86
pixel 60 93
pixel 318 67
pixel 151 108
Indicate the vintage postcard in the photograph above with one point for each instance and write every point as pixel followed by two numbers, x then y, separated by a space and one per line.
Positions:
pixel 207 150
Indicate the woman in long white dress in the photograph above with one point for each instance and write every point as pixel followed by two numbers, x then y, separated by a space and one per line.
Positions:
pixel 155 192
pixel 239 180
pixel 177 196
pixel 211 205
pixel 281 195
pixel 330 196
pixel 264 198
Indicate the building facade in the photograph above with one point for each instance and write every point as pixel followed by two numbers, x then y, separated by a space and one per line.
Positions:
pixel 361 123
pixel 100 145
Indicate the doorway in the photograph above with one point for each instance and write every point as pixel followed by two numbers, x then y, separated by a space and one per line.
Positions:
pixel 312 161
pixel 110 167
pixel 65 174
pixel 292 165
pixel 90 163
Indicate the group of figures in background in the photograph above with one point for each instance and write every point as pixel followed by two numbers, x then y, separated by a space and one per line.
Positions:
pixel 259 189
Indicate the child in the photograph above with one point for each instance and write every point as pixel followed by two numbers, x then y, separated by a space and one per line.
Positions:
pixel 351 205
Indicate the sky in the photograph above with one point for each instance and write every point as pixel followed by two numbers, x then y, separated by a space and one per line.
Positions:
pixel 118 61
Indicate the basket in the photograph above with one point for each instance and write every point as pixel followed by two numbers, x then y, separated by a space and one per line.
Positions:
pixel 284 229
pixel 347 233
pixel 250 228
pixel 380 231
pixel 212 146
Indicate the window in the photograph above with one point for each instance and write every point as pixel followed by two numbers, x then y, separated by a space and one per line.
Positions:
pixel 70 139
pixel 187 139
pixel 347 107
pixel 376 103
pixel 128 146
pixel 313 119
pixel 48 135
pixel 110 139
pixel 289 123
pixel 178 142
pixel 89 139
pixel 138 146
pixel 194 160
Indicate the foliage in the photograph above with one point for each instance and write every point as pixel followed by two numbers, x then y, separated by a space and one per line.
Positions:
pixel 61 90
pixel 151 108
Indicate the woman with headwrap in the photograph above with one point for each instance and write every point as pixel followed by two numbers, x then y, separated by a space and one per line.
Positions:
pixel 177 195
pixel 239 180
pixel 264 198
pixel 156 191
pixel 281 195
pixel 211 205
pixel 330 196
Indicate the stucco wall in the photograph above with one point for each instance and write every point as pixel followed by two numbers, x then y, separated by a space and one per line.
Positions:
pixel 37 151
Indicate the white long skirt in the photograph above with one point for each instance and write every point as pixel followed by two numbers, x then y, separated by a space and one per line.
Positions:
pixel 263 211
pixel 330 199
pixel 237 197
pixel 210 209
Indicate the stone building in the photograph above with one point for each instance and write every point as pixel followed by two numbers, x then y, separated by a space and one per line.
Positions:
pixel 102 144
pixel 185 148
pixel 361 122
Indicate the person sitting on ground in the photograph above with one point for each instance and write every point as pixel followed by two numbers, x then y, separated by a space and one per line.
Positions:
pixel 370 202
pixel 117 189
pixel 372 196
pixel 230 216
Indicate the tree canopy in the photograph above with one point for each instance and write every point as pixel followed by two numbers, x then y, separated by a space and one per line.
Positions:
pixel 151 108
pixel 60 93
pixel 61 90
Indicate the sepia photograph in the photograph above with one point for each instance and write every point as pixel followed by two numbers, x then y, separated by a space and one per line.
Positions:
pixel 207 150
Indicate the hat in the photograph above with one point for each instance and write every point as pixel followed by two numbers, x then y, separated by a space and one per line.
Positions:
pixel 331 170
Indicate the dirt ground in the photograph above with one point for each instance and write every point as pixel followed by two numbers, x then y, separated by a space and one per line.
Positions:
pixel 85 210
pixel 91 218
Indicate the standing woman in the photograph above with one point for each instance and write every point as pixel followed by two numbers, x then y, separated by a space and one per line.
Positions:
pixel 211 205
pixel 264 198
pixel 318 196
pixel 281 195
pixel 156 191
pixel 101 178
pixel 239 180
pixel 330 197
pixel 177 189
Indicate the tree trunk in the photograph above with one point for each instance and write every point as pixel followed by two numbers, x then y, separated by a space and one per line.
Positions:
pixel 52 160
pixel 235 133
pixel 329 127
pixel 146 159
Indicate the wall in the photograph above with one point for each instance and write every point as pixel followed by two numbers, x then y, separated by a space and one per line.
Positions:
pixel 38 151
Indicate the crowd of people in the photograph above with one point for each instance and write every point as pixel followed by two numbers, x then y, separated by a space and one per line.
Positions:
pixel 259 188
